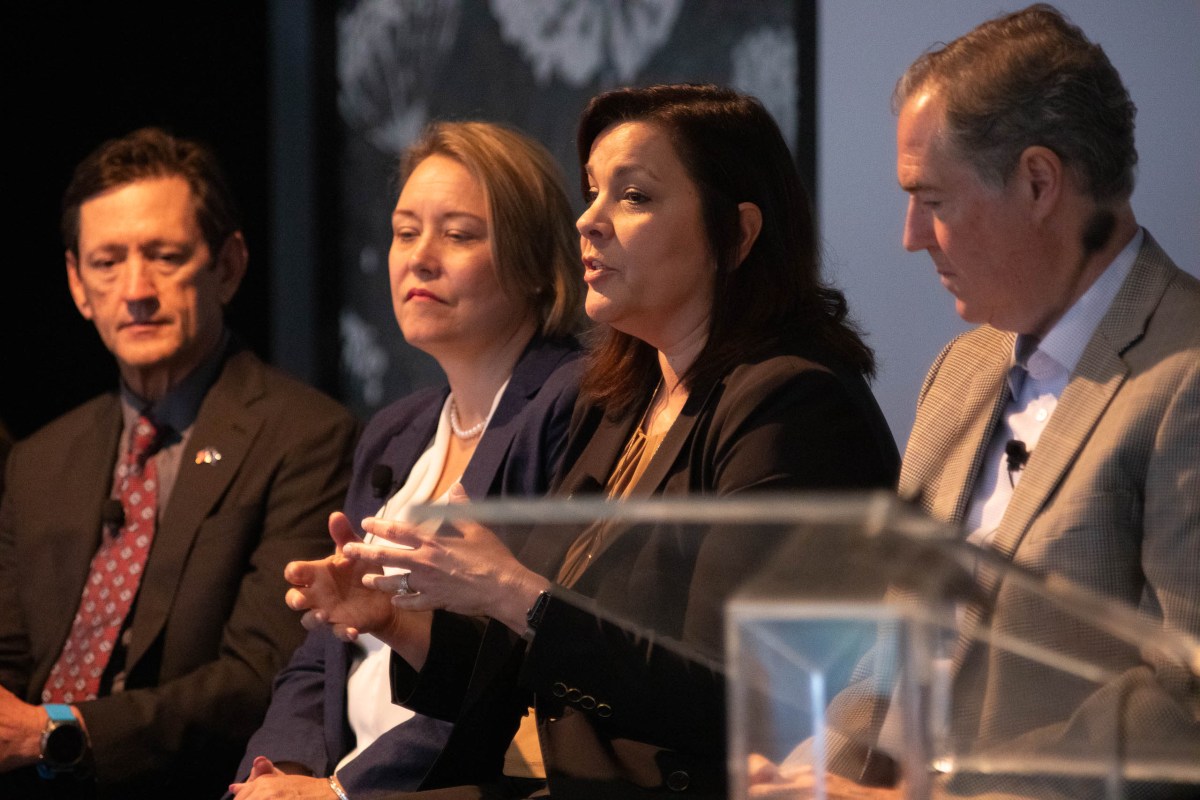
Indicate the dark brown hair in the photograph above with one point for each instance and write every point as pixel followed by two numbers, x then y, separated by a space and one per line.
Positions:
pixel 535 247
pixel 154 153
pixel 1032 78
pixel 734 153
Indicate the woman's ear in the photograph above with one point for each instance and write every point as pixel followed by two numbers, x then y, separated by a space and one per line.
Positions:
pixel 750 224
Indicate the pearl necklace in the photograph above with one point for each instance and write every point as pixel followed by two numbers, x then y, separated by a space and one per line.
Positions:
pixel 466 434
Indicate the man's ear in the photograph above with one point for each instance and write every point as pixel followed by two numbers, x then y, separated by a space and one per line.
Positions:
pixel 230 265
pixel 750 224
pixel 1042 174
pixel 75 284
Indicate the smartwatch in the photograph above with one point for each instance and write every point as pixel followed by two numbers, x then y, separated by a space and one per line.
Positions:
pixel 64 742
pixel 534 616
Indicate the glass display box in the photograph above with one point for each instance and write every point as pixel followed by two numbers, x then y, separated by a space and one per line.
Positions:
pixel 846 643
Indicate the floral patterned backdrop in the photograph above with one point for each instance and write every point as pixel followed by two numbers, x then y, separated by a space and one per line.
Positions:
pixel 532 64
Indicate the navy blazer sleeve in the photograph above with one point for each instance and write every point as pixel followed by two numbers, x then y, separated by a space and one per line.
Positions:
pixel 294 729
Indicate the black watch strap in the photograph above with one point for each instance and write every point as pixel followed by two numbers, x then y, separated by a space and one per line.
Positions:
pixel 533 618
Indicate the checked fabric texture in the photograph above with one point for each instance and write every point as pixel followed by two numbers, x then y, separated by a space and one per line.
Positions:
pixel 113 579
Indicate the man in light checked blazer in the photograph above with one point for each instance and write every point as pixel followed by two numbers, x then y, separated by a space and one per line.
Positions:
pixel 1015 146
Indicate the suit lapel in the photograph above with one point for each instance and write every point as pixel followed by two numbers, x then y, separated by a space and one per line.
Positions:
pixel 530 373
pixel 225 424
pixel 664 458
pixel 406 447
pixel 78 504
pixel 595 464
pixel 95 453
pixel 979 413
pixel 589 474
pixel 1097 378
pixel 657 471
pixel 976 400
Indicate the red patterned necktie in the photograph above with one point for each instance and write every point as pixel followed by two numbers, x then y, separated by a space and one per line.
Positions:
pixel 114 576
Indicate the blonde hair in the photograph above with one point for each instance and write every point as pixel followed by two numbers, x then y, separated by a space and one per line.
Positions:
pixel 535 246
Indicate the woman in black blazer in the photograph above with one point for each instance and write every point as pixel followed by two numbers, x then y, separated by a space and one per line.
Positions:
pixel 725 366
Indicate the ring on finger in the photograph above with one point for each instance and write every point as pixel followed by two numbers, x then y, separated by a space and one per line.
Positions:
pixel 402 588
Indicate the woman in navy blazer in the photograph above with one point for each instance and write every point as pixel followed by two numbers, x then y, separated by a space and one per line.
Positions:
pixel 484 277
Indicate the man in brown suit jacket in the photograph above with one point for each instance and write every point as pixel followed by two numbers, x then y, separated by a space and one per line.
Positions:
pixel 249 465
pixel 1063 433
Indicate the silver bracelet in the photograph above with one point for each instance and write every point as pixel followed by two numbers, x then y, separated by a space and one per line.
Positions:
pixel 337 788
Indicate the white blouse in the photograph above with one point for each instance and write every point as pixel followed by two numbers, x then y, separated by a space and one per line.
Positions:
pixel 368 690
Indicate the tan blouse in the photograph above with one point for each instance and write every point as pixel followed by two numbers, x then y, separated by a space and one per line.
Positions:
pixel 523 758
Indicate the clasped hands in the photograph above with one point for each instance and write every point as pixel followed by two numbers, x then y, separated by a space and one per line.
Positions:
pixel 461 567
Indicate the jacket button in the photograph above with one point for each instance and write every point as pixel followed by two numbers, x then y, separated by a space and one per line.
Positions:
pixel 573 695
pixel 603 710
pixel 559 689
pixel 678 780
pixel 587 702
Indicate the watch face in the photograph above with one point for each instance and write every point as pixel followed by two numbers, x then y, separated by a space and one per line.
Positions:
pixel 64 746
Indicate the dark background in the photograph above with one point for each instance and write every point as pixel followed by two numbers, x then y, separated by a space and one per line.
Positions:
pixel 77 73
pixel 455 60
pixel 257 81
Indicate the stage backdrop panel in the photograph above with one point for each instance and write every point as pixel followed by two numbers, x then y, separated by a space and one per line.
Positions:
pixel 533 64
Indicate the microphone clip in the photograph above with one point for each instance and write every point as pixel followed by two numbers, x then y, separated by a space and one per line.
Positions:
pixel 112 516
pixel 381 481
pixel 1016 455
